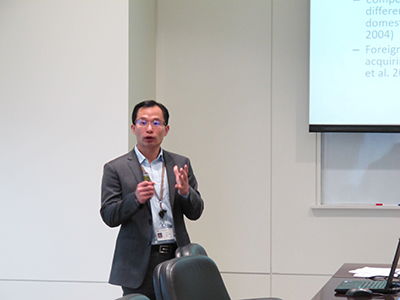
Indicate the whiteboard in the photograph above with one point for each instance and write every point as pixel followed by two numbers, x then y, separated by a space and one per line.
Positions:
pixel 360 168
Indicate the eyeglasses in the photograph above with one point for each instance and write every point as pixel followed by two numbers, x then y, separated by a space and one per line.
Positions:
pixel 142 123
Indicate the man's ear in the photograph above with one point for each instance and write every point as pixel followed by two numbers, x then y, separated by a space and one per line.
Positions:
pixel 166 130
pixel 133 128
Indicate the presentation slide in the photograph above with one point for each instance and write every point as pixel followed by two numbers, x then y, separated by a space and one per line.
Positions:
pixel 355 62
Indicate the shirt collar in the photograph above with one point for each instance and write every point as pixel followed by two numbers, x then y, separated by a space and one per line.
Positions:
pixel 142 159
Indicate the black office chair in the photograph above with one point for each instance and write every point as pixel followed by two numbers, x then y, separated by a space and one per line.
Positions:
pixel 190 249
pixel 193 277
pixel 134 297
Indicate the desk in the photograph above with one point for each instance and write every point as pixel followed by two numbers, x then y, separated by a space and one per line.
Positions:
pixel 328 290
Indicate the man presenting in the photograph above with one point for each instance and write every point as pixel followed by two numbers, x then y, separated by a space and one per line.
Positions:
pixel 147 192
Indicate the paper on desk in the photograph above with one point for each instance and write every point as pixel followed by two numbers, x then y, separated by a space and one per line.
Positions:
pixel 371 272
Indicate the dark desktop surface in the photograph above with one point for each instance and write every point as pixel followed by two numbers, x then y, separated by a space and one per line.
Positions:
pixel 327 292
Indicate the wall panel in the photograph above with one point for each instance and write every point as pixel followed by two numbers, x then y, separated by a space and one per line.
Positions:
pixel 213 72
pixel 64 92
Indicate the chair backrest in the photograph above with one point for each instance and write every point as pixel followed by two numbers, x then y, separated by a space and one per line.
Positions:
pixel 156 281
pixel 190 249
pixel 194 277
pixel 134 297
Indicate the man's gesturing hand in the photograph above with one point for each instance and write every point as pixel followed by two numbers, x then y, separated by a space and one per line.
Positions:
pixel 182 182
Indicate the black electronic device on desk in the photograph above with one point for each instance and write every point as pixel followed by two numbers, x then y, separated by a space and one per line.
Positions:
pixel 377 286
pixel 357 292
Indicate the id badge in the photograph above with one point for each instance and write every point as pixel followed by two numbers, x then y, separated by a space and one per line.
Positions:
pixel 164 234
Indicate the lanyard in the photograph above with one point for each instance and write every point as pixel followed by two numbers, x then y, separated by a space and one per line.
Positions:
pixel 147 178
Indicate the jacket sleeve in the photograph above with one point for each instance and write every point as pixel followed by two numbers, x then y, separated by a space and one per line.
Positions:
pixel 117 207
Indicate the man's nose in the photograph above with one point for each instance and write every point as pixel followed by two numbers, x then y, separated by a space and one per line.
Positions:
pixel 149 127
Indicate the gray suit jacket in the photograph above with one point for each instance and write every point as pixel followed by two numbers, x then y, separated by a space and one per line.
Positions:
pixel 120 208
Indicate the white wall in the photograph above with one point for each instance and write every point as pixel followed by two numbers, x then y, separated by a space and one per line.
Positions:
pixel 213 71
pixel 234 75
pixel 214 74
pixel 142 54
pixel 64 92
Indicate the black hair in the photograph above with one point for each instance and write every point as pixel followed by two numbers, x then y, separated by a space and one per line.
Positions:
pixel 150 103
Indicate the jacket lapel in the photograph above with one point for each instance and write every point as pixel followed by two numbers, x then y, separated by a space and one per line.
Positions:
pixel 137 172
pixel 134 165
pixel 169 165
